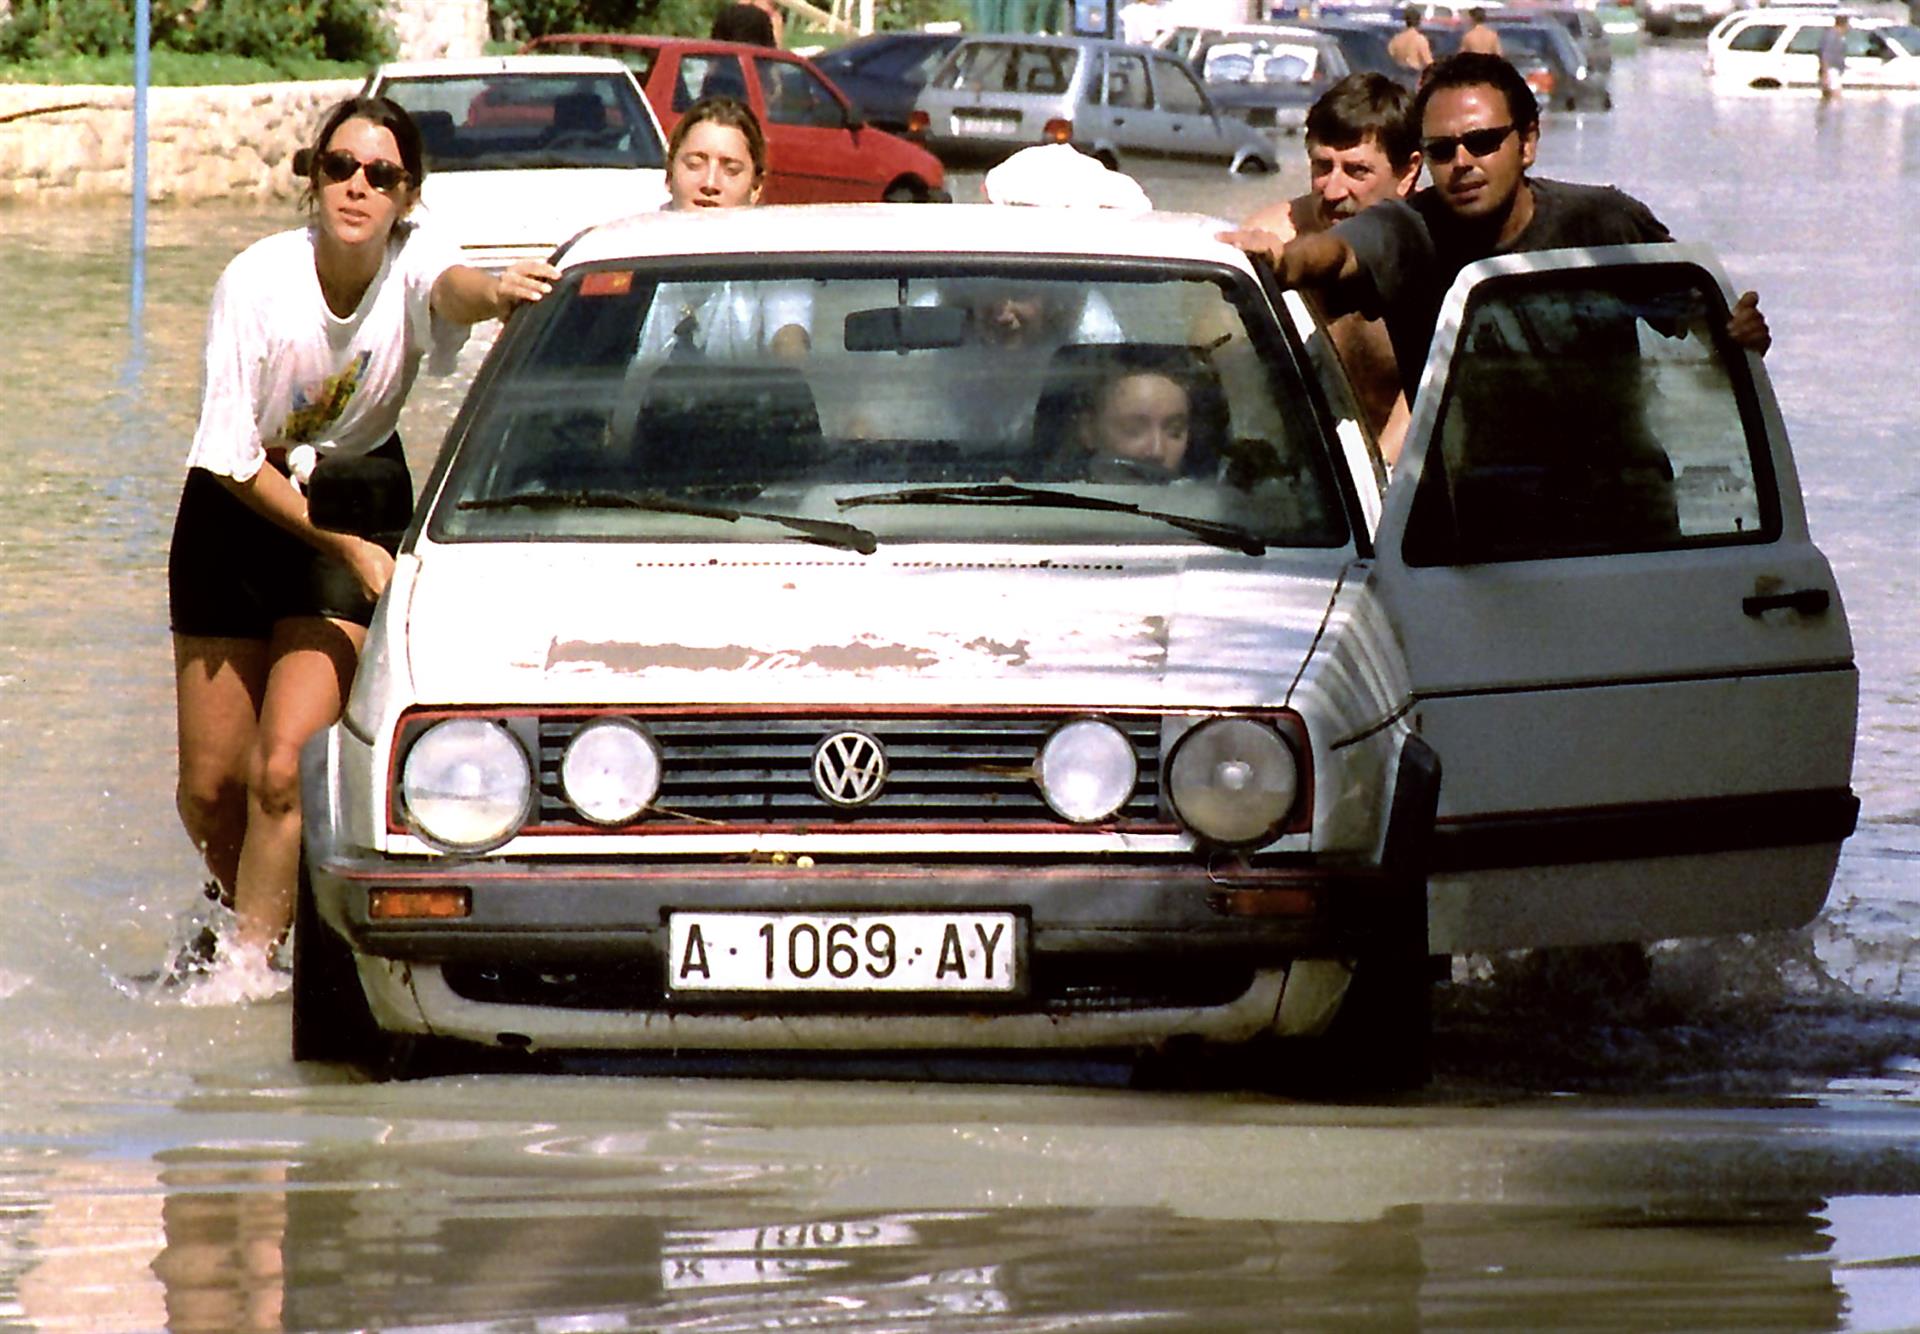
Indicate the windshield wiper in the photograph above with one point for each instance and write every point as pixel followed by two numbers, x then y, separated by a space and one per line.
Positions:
pixel 827 532
pixel 1227 535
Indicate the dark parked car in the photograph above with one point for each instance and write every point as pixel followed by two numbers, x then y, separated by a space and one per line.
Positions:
pixel 820 149
pixel 885 72
pixel 1546 57
pixel 1583 25
pixel 1365 46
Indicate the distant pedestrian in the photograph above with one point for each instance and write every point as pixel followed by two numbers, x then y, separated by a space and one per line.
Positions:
pixel 755 22
pixel 1410 47
pixel 1142 22
pixel 1480 35
pixel 1833 57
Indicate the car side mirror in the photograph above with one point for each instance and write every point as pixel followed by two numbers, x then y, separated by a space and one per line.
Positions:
pixel 364 496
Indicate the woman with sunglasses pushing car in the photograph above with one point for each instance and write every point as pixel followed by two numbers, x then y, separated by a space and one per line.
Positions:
pixel 313 342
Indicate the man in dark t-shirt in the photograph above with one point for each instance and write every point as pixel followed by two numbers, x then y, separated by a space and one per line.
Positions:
pixel 744 21
pixel 1479 131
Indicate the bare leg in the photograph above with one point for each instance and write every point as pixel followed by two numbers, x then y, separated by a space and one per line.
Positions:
pixel 311 664
pixel 218 688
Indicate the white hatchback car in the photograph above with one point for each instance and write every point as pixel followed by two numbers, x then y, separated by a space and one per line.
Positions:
pixel 523 152
pixel 1779 47
pixel 1039 660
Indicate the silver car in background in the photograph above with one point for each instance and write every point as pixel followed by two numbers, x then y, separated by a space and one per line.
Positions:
pixel 995 95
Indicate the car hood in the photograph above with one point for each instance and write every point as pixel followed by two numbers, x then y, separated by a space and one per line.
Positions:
pixel 722 624
pixel 492 210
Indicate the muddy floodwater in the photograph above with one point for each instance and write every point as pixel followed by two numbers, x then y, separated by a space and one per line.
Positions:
pixel 1737 1147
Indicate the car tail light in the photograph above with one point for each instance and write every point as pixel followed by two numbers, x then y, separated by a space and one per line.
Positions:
pixel 1541 81
pixel 1058 131
pixel 918 123
pixel 390 905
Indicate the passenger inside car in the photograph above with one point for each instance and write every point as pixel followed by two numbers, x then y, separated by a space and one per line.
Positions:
pixel 1132 412
pixel 717 159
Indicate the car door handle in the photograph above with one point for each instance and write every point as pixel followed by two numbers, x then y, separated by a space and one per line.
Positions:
pixel 1806 601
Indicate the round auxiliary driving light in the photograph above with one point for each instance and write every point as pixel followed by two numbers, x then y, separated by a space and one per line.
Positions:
pixel 611 771
pixel 467 784
pixel 1233 780
pixel 1087 771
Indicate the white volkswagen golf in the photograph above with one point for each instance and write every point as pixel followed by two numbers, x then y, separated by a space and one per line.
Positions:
pixel 523 152
pixel 900 629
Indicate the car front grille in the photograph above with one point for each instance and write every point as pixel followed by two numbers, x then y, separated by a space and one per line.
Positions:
pixel 730 772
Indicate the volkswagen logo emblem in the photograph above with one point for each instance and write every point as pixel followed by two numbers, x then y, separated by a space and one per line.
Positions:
pixel 849 768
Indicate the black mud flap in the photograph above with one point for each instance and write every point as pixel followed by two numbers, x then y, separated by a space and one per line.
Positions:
pixel 331 1019
pixel 1381 1041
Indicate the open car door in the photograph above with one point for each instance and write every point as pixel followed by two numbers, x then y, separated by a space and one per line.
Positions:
pixel 1630 657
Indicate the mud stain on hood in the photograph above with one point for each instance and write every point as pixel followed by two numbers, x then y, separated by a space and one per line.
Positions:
pixel 1017 654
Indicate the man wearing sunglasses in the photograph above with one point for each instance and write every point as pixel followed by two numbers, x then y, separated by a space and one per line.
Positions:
pixel 1479 131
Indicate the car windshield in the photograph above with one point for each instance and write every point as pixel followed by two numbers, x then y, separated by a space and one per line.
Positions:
pixel 490 122
pixel 848 401
pixel 1260 62
pixel 1013 67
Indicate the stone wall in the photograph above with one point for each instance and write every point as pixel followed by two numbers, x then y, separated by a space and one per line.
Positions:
pixel 59 143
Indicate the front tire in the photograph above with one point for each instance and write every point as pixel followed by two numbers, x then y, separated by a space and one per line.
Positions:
pixel 331 1019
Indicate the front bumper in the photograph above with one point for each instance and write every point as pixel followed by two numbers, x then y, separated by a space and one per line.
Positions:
pixel 575 955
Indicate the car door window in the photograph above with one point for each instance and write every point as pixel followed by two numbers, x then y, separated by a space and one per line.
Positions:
pixel 1806 41
pixel 1756 37
pixel 1008 67
pixel 1586 415
pixel 1866 46
pixel 1126 82
pixel 1175 90
pixel 795 97
pixel 708 76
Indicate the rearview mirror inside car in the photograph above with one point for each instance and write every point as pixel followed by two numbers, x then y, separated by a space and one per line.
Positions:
pixel 906 328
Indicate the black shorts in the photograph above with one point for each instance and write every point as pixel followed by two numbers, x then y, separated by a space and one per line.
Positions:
pixel 233 573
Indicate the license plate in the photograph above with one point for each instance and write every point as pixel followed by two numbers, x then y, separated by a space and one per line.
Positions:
pixel 986 124
pixel 843 952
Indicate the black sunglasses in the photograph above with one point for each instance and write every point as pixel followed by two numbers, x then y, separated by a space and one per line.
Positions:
pixel 1478 143
pixel 338 165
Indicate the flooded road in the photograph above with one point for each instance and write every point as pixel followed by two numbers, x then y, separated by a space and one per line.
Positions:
pixel 1739 1147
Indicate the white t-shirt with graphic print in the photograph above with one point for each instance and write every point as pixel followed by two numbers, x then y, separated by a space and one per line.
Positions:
pixel 281 364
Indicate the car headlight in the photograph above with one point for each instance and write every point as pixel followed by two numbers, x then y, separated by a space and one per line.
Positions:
pixel 611 771
pixel 1087 770
pixel 467 784
pixel 1233 780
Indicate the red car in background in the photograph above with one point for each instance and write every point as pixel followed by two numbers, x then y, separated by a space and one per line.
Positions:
pixel 820 149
